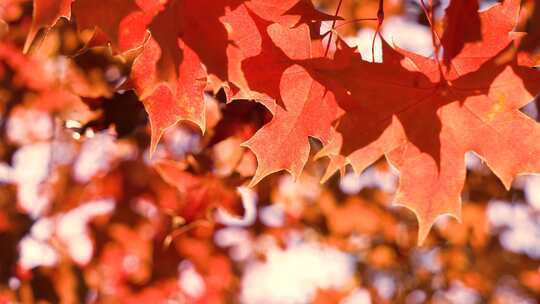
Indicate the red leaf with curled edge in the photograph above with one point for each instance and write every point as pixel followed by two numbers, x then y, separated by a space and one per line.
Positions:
pixel 169 102
pixel 120 23
pixel 45 14
pixel 268 74
pixel 424 117
pixel 462 25
pixel 169 74
pixel 305 108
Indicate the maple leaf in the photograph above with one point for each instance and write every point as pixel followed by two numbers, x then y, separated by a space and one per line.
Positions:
pixel 462 25
pixel 424 120
pixel 120 23
pixel 303 107
pixel 169 74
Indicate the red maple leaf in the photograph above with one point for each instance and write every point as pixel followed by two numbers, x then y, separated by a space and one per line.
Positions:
pixel 425 116
pixel 120 23
pixel 303 107
pixel 462 25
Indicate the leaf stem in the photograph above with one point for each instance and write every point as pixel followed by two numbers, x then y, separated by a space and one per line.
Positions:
pixel 354 20
pixel 332 29
pixel 380 19
pixel 436 40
